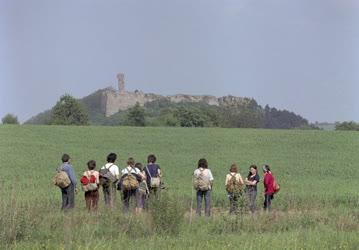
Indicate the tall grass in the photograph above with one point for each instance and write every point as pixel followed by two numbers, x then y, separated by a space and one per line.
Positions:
pixel 318 201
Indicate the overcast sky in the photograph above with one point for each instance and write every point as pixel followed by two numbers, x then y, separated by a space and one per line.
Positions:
pixel 300 55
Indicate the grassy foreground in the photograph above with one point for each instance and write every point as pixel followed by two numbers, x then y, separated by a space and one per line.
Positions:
pixel 318 206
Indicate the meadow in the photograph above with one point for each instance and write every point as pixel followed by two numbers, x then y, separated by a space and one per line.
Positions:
pixel 317 207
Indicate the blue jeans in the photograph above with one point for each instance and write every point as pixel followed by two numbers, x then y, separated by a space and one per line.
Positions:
pixel 207 201
pixel 68 197
pixel 252 195
pixel 268 201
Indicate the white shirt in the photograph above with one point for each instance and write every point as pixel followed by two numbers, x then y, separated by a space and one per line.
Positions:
pixel 113 169
pixel 237 176
pixel 132 170
pixel 206 173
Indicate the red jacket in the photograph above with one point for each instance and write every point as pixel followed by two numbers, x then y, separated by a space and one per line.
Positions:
pixel 268 183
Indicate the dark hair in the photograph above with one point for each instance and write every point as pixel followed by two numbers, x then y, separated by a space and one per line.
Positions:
pixel 91 165
pixel 202 163
pixel 131 161
pixel 111 157
pixel 266 168
pixel 151 159
pixel 65 158
pixel 250 173
pixel 234 168
pixel 139 166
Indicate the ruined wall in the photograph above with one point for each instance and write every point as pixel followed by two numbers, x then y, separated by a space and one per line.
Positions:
pixel 114 101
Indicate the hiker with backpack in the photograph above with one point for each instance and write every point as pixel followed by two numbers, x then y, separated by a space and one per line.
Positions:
pixel 109 175
pixel 203 184
pixel 153 174
pixel 66 180
pixel 143 190
pixel 270 187
pixel 90 182
pixel 129 184
pixel 234 187
pixel 251 187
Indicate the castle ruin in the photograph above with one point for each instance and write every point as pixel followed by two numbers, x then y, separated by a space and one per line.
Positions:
pixel 114 101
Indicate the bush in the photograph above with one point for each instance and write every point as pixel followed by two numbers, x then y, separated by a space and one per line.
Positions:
pixel 10 119
pixel 167 215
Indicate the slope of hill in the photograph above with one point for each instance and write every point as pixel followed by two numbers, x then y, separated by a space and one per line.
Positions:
pixel 203 111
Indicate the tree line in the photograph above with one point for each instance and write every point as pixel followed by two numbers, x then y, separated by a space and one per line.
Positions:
pixel 162 112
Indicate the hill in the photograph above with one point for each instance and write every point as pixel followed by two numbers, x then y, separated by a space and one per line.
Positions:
pixel 108 107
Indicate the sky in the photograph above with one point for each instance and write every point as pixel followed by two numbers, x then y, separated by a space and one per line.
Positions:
pixel 299 55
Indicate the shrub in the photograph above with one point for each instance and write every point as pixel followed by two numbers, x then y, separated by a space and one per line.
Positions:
pixel 10 119
pixel 166 214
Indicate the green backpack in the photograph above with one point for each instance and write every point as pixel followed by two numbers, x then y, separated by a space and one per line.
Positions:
pixel 233 185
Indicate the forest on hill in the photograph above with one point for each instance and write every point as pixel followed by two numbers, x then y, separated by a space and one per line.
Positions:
pixel 162 112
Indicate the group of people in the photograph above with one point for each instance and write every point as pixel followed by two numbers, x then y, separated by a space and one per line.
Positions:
pixel 236 187
pixel 139 183
pixel 135 182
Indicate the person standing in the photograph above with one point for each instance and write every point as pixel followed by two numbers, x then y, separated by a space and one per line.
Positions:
pixel 131 177
pixel 251 187
pixel 153 174
pixel 68 193
pixel 92 178
pixel 268 188
pixel 234 187
pixel 142 191
pixel 109 175
pixel 203 183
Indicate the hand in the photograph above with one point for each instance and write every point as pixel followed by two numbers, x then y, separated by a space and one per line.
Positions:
pixel 76 190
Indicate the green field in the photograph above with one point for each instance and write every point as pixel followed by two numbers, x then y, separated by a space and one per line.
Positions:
pixel 317 207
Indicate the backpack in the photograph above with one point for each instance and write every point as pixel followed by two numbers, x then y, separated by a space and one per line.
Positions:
pixel 201 183
pixel 143 188
pixel 61 179
pixel 129 182
pixel 155 182
pixel 233 185
pixel 276 186
pixel 106 177
pixel 88 181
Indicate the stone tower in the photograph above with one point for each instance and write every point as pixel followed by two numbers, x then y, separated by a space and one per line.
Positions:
pixel 121 83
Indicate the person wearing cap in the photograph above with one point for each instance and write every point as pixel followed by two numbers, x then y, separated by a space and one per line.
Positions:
pixel 268 188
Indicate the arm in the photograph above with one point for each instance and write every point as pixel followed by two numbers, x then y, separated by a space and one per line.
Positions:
pixel 241 180
pixel 211 179
pixel 117 172
pixel 72 175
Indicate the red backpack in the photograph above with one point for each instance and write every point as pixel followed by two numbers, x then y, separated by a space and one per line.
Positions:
pixel 276 186
pixel 88 182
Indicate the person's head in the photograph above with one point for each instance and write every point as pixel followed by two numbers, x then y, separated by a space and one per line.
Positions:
pixel 233 168
pixel 139 166
pixel 111 158
pixel 253 169
pixel 65 158
pixel 151 159
pixel 131 162
pixel 266 168
pixel 91 165
pixel 202 163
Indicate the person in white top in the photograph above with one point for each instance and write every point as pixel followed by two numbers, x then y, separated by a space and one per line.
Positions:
pixel 110 192
pixel 128 195
pixel 234 186
pixel 203 184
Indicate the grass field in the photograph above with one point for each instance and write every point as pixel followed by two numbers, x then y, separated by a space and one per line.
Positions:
pixel 317 207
